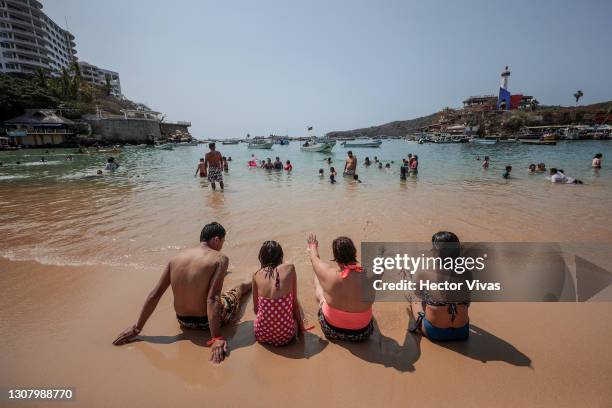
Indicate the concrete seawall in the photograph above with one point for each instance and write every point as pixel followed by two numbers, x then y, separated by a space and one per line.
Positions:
pixel 133 131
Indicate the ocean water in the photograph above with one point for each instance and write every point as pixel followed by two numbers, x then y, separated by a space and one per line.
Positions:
pixel 60 212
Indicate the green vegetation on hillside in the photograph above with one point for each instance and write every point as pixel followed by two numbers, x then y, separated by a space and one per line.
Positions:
pixel 67 92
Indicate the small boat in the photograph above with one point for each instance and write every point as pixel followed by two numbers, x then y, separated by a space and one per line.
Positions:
pixel 538 142
pixel 484 141
pixel 319 147
pixel 260 144
pixel 283 142
pixel 165 146
pixel 375 143
pixel 230 142
pixel 183 144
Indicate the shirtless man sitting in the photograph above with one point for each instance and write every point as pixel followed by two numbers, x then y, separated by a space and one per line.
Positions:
pixel 214 161
pixel 351 164
pixel 196 276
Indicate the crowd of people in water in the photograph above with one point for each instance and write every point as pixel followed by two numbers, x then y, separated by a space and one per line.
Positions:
pixel 555 175
pixel 213 165
pixel 196 276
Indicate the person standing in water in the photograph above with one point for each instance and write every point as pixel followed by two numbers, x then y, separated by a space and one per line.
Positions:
pixel 597 161
pixel 201 169
pixel 350 166
pixel 506 174
pixel 213 167
pixel 485 163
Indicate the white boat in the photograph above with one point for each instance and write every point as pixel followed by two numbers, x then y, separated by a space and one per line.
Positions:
pixel 165 146
pixel 260 144
pixel 320 147
pixel 187 144
pixel 230 142
pixel 375 143
pixel 484 141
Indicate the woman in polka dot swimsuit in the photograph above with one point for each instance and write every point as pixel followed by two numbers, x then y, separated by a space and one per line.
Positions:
pixel 278 313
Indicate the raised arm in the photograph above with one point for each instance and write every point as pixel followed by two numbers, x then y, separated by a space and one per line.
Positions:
pixel 213 311
pixel 319 267
pixel 147 309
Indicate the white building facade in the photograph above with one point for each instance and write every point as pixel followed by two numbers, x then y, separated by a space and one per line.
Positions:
pixel 98 76
pixel 30 40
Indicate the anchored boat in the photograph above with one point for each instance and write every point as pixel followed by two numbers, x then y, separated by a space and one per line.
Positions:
pixel 320 147
pixel 260 144
pixel 375 143
pixel 484 141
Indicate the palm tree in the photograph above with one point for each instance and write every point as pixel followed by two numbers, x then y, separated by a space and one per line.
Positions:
pixel 65 81
pixel 107 85
pixel 41 76
pixel 578 95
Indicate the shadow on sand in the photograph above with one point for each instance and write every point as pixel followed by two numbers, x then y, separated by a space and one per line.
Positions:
pixel 484 346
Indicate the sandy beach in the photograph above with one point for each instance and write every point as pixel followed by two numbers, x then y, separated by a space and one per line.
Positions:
pixel 59 330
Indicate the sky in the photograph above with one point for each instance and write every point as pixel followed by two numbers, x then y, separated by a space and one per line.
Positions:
pixel 275 67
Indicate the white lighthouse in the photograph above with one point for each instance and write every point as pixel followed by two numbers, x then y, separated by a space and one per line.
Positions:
pixel 504 78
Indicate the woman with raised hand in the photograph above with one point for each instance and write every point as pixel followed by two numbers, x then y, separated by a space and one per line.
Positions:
pixel 343 314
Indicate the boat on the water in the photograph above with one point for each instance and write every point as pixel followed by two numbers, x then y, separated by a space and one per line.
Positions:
pixel 283 142
pixel 165 146
pixel 538 142
pixel 260 144
pixel 375 143
pixel 319 147
pixel 230 142
pixel 484 141
pixel 179 144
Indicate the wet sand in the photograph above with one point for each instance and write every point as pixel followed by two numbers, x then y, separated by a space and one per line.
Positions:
pixel 58 323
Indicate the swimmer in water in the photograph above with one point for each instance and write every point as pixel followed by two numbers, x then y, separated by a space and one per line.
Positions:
pixel 485 163
pixel 332 171
pixel 321 173
pixel 596 163
pixel 356 178
pixel 367 161
pixel 332 178
pixel 288 165
pixel 532 169
pixel 506 174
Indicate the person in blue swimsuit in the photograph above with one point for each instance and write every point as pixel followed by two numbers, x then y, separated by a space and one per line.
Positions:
pixel 442 316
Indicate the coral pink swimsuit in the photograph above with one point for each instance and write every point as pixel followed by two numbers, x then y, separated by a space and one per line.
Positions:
pixel 274 323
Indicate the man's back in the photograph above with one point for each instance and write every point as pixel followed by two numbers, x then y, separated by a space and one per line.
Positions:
pixel 191 272
pixel 213 158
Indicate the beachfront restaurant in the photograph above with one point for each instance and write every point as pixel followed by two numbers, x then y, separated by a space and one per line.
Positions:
pixel 39 127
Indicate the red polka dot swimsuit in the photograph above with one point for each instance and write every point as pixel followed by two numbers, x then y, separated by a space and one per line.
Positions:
pixel 274 323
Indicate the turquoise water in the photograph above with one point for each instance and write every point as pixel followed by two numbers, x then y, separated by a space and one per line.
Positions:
pixel 60 212
pixel 439 164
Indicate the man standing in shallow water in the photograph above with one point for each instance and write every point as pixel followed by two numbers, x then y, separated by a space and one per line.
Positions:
pixel 196 276
pixel 214 161
pixel 350 166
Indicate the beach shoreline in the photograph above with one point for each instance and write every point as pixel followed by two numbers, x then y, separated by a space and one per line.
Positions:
pixel 61 334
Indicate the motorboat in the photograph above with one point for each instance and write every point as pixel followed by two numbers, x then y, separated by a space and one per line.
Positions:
pixel 375 143
pixel 260 144
pixel 320 147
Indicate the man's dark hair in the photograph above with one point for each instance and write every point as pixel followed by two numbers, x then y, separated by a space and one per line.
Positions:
pixel 211 145
pixel 214 229
pixel 344 250
pixel 350 153
pixel 553 170
pixel 508 168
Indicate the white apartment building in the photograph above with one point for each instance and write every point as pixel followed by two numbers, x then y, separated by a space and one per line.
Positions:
pixel 97 76
pixel 30 40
